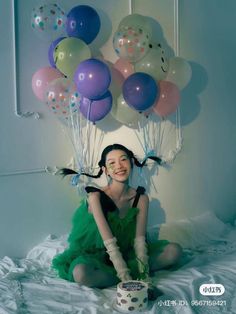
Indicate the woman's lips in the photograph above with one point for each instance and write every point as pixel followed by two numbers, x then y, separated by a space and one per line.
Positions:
pixel 121 172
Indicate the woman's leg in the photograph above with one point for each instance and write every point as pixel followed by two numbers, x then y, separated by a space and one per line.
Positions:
pixel 169 256
pixel 93 277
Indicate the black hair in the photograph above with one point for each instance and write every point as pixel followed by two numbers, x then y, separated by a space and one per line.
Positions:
pixel 102 163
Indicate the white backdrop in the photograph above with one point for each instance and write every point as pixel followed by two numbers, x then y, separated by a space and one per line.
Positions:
pixel 203 175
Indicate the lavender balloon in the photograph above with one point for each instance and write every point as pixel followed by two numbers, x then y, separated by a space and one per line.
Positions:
pixel 95 110
pixel 140 91
pixel 92 78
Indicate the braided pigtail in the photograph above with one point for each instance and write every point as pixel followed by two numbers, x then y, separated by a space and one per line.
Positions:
pixel 96 176
pixel 141 164
pixel 66 172
pixel 76 175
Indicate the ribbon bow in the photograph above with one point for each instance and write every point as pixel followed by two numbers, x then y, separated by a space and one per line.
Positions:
pixel 149 153
pixel 75 180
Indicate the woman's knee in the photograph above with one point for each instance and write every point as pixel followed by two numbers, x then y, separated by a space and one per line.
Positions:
pixel 173 252
pixel 81 273
pixel 93 277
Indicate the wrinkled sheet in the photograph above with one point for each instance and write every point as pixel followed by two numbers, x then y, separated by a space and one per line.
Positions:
pixel 30 286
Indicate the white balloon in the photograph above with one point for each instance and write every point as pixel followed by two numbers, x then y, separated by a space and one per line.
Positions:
pixel 154 63
pixel 122 112
pixel 179 72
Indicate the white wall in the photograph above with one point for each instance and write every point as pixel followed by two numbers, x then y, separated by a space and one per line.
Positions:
pixel 203 175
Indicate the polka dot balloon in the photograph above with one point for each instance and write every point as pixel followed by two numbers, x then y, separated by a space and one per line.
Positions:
pixel 131 43
pixel 62 98
pixel 48 21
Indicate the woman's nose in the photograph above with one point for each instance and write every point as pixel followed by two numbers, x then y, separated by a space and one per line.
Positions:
pixel 118 163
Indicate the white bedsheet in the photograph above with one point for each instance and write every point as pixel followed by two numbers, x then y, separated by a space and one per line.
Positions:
pixel 30 286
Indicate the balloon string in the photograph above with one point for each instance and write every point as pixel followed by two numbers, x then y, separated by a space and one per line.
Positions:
pixel 77 138
pixel 139 135
pixel 71 133
pixel 94 135
pixel 144 135
pixel 99 144
pixel 162 131
pixel 87 142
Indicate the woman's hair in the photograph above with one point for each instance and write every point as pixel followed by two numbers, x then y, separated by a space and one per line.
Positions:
pixel 102 163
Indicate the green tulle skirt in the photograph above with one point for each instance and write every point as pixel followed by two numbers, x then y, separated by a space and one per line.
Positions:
pixel 86 245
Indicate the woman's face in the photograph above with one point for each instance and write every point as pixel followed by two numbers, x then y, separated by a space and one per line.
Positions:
pixel 118 165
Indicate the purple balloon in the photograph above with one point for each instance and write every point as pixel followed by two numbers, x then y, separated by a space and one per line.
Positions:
pixel 92 78
pixel 83 22
pixel 140 91
pixel 95 110
pixel 51 51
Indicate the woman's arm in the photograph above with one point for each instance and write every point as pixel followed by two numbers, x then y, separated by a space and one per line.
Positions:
pixel 141 223
pixel 140 246
pixel 96 209
pixel 109 240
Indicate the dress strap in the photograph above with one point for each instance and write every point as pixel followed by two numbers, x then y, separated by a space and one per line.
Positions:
pixel 107 203
pixel 140 190
pixel 89 189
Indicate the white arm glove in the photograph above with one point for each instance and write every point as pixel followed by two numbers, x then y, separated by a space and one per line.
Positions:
pixel 140 248
pixel 117 259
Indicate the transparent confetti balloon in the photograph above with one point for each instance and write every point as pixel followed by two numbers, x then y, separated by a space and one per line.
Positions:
pixel 136 20
pixel 131 44
pixel 48 21
pixel 62 98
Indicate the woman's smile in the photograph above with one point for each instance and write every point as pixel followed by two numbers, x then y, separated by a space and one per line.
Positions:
pixel 121 172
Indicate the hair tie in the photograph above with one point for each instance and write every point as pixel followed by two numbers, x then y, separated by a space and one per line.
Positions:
pixel 149 153
pixel 75 179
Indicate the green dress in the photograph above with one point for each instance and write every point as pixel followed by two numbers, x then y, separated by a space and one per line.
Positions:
pixel 86 244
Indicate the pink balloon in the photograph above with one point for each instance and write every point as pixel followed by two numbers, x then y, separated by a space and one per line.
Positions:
pixel 168 100
pixel 42 78
pixel 117 80
pixel 125 68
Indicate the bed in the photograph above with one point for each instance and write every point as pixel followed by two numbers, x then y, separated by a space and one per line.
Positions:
pixel 29 285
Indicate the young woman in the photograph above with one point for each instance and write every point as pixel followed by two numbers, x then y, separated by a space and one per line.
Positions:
pixel 107 243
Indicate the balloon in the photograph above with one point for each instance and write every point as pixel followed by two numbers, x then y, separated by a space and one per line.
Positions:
pixel 136 20
pixel 69 53
pixel 117 80
pixel 83 22
pixel 42 78
pixel 51 51
pixel 92 78
pixel 48 21
pixel 180 72
pixel 154 64
pixel 131 44
pixel 125 68
pixel 124 113
pixel 62 97
pixel 168 100
pixel 140 91
pixel 95 110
